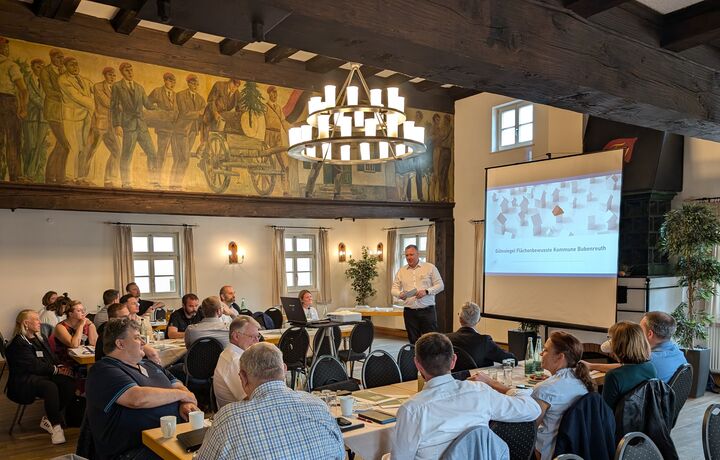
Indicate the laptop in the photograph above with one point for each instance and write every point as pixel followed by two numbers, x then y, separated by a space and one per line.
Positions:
pixel 295 313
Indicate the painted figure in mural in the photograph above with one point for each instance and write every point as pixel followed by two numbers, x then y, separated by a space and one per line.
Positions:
pixel 444 177
pixel 423 162
pixel 276 134
pixel 190 105
pixel 53 111
pixel 13 108
pixel 101 130
pixel 223 97
pixel 35 128
pixel 166 114
pixel 78 105
pixel 127 101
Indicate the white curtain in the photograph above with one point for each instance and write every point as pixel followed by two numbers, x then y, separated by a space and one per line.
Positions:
pixel 278 258
pixel 431 244
pixel 390 251
pixel 713 305
pixel 478 265
pixel 122 257
pixel 189 278
pixel 324 294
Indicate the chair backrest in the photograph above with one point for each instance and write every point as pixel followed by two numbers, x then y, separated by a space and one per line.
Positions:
pixel 406 362
pixel 637 446
pixel 276 315
pixel 520 438
pixel 361 337
pixel 464 360
pixel 325 371
pixel 160 314
pixel 263 320
pixel 320 349
pixel 681 382
pixel 90 316
pixel 294 344
pixel 568 457
pixel 246 312
pixel 593 353
pixel 711 432
pixel 477 442
pixel 587 429
pixel 3 344
pixel 46 330
pixel 202 357
pixel 380 369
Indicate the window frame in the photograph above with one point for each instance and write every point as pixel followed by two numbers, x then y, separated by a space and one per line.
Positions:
pixel 177 256
pixel 312 254
pixel 401 248
pixel 497 125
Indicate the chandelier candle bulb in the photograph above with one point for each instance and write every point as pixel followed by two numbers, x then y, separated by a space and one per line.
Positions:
pixel 419 134
pixel 359 119
pixel 295 135
pixel 384 148
pixel 326 150
pixel 345 126
pixel 314 104
pixel 345 152
pixel 392 93
pixel 352 95
pixel 329 96
pixel 370 127
pixel 400 103
pixel 408 129
pixel 376 97
pixel 392 125
pixel 310 151
pixel 306 133
pixel 400 150
pixel 364 151
pixel 323 126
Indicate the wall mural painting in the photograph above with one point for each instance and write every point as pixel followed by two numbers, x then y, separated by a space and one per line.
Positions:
pixel 74 118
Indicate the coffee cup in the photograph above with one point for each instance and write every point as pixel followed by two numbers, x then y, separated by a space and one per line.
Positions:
pixel 167 426
pixel 197 419
pixel 346 405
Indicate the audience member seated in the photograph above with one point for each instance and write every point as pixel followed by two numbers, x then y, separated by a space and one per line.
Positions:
pixel 569 381
pixel 181 318
pixel 275 421
pixel 110 297
pixel 120 311
pixel 73 332
pixel 244 332
pixel 146 306
pixel 306 299
pixel 210 326
pixel 47 314
pixel 227 296
pixel 659 328
pixel 631 349
pixel 481 347
pixel 429 421
pixel 36 373
pixel 134 308
pixel 127 394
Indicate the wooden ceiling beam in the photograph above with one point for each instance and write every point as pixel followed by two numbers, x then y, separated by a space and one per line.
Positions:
pixel 588 8
pixel 125 21
pixel 279 53
pixel 426 85
pixel 693 26
pixel 230 47
pixel 57 9
pixel 180 36
pixel 322 64
pixel 398 79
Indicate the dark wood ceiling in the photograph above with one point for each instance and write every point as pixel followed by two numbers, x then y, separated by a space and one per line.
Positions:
pixel 612 58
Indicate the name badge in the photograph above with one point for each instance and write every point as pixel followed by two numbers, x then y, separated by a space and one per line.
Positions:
pixel 39 354
pixel 142 370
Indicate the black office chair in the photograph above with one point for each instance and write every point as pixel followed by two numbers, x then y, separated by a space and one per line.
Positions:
pixel 592 353
pixel 406 362
pixel 361 339
pixel 326 370
pixel 245 311
pixel 711 432
pixel 637 446
pixel 200 361
pixel 380 369
pixel 321 349
pixel 294 344
pixel 520 438
pixel 473 443
pixel 3 347
pixel 464 360
pixel 681 382
pixel 276 315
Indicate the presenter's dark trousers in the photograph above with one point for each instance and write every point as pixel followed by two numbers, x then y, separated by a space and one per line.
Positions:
pixel 419 321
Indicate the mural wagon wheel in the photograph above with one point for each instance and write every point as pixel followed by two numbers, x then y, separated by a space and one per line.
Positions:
pixel 215 154
pixel 263 172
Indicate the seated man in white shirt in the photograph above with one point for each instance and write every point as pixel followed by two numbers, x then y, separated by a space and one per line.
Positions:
pixel 429 421
pixel 244 331
pixel 210 326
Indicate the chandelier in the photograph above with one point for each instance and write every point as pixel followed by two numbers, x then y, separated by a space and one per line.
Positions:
pixel 354 130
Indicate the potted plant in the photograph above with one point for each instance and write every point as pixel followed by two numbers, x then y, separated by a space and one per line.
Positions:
pixel 361 273
pixel 689 235
pixel 517 338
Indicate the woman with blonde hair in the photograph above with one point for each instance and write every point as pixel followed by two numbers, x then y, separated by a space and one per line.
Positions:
pixel 631 348
pixel 36 373
pixel 306 299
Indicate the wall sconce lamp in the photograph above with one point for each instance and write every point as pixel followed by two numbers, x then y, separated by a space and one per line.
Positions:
pixel 233 256
pixel 342 252
pixel 379 252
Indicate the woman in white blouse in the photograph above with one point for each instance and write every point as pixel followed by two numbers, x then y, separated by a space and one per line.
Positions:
pixel 569 381
pixel 306 300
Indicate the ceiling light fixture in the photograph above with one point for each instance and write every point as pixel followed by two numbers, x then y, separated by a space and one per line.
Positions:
pixel 351 129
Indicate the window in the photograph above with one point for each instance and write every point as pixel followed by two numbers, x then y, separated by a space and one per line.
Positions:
pixel 512 125
pixel 300 262
pixel 156 261
pixel 419 240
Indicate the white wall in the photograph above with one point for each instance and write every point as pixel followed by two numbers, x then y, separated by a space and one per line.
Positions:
pixel 72 252
pixel 701 170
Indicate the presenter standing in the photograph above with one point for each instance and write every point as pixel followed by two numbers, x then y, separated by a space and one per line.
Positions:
pixel 416 284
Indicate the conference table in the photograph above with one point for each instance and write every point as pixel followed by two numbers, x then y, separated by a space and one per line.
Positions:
pixel 369 442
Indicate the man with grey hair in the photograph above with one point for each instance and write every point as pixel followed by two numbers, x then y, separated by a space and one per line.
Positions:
pixel 211 325
pixel 300 423
pixel 480 347
pixel 127 394
pixel 244 332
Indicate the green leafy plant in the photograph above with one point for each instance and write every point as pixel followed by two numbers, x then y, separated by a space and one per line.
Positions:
pixel 529 326
pixel 361 272
pixel 689 235
pixel 251 100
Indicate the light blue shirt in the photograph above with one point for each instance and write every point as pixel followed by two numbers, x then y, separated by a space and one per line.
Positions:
pixel 560 391
pixel 667 357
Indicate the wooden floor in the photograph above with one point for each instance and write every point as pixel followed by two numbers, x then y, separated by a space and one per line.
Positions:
pixel 29 441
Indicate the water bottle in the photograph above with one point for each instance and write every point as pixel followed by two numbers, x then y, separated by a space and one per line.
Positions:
pixel 529 358
pixel 536 355
pixel 242 303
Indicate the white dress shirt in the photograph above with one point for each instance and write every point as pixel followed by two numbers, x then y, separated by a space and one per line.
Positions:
pixel 423 276
pixel 226 382
pixel 429 421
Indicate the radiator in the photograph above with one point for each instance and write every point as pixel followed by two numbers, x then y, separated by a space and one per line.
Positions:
pixel 714 344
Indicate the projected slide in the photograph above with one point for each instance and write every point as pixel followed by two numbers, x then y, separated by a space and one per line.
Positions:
pixel 565 226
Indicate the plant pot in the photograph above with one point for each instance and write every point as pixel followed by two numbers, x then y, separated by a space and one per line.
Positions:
pixel 517 342
pixel 700 360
